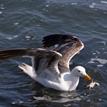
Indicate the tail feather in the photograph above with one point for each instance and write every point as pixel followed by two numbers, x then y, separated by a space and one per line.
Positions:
pixel 6 54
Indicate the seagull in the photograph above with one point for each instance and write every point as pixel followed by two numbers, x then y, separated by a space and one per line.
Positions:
pixel 50 64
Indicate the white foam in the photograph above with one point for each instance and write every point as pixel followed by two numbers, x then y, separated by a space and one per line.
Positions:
pixel 1 12
pixel 101 61
pixel 92 5
pixel 9 38
pixel 12 37
pixel 56 45
pixel 47 5
pixel 15 36
pixel 16 23
pixel 28 37
pixel 74 3
pixel 105 2
pixel 94 53
pixel 99 65
pixel 2 6
pixel 17 102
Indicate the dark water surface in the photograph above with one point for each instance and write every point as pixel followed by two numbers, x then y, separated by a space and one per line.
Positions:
pixel 23 23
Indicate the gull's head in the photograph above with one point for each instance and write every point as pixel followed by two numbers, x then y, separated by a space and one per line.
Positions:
pixel 80 71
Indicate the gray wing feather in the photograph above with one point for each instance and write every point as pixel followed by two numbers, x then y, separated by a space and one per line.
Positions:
pixel 67 45
pixel 42 58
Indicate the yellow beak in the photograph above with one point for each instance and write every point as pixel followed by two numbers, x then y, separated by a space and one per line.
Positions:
pixel 87 78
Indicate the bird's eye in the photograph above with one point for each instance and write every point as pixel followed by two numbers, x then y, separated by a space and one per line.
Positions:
pixel 78 70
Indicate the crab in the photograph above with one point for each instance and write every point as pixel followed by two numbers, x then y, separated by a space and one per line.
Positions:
pixel 93 84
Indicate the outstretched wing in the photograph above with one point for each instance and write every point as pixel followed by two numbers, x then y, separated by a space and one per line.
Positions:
pixel 42 58
pixel 67 45
pixel 46 59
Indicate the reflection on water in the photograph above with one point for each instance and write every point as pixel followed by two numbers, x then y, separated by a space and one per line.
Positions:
pixel 51 97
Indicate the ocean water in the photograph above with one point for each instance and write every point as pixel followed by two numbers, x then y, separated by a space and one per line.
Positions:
pixel 23 23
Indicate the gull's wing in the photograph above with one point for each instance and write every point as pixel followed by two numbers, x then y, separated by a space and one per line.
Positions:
pixel 67 45
pixel 42 58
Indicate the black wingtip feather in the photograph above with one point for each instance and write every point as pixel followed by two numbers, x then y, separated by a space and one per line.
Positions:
pixel 53 39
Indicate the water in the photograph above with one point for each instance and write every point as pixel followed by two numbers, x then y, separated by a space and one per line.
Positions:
pixel 24 23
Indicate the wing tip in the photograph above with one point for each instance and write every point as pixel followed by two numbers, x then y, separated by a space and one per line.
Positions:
pixel 55 39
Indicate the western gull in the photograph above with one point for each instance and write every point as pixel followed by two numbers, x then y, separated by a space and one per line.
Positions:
pixel 50 64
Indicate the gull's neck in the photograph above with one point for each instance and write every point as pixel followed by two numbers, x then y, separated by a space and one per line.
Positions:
pixel 70 80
